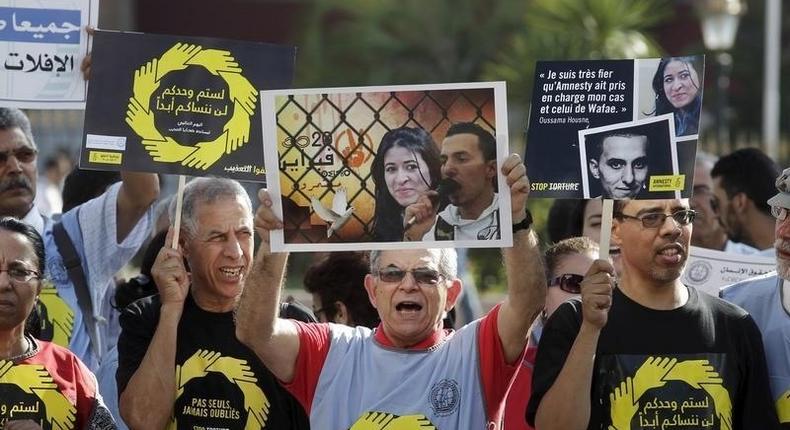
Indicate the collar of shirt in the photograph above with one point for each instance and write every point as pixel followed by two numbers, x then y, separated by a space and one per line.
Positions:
pixel 35 219
pixel 434 339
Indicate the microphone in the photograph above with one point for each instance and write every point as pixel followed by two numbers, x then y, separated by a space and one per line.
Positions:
pixel 443 190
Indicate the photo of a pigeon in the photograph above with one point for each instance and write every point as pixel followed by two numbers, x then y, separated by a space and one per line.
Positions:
pixel 338 215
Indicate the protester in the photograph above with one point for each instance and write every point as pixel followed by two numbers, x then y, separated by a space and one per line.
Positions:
pixel 767 299
pixel 647 349
pixel 337 283
pixel 409 371
pixel 42 385
pixel 105 233
pixel 742 183
pixel 50 185
pixel 468 155
pixel 179 362
pixel 677 90
pixel 406 166
pixel 566 263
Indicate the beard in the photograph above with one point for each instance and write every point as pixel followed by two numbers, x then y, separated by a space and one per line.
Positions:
pixel 782 265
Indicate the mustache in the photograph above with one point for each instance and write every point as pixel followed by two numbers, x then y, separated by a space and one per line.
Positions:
pixel 16 182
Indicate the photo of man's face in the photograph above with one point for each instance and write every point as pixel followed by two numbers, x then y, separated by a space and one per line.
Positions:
pixel 622 165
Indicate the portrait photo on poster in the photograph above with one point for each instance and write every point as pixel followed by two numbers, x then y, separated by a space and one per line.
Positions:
pixel 392 167
pixel 633 160
pixel 672 85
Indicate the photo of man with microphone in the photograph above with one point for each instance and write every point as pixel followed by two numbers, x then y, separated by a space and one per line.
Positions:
pixel 469 179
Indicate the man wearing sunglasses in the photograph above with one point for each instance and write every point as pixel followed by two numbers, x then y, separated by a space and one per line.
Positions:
pixel 105 233
pixel 767 299
pixel 409 373
pixel 645 351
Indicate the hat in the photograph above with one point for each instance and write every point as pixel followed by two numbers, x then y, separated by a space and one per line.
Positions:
pixel 783 185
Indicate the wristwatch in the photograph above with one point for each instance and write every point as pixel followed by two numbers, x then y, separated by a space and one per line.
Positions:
pixel 524 224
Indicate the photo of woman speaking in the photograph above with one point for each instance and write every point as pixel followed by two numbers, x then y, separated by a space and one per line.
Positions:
pixel 677 89
pixel 406 166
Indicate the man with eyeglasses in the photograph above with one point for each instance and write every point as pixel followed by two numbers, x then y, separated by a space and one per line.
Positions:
pixel 767 299
pixel 105 232
pixel 409 373
pixel 644 351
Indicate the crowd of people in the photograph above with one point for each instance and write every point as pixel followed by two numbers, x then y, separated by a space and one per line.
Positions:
pixel 202 338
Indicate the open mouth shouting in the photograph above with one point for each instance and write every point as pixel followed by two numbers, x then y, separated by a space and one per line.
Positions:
pixel 671 254
pixel 408 308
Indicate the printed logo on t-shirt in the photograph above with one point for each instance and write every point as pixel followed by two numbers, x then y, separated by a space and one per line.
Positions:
pixel 387 421
pixel 648 392
pixel 783 407
pixel 57 318
pixel 218 392
pixel 28 392
pixel 445 397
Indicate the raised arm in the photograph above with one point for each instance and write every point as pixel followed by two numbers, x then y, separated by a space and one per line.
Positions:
pixel 274 340
pixel 566 405
pixel 138 191
pixel 526 281
pixel 147 401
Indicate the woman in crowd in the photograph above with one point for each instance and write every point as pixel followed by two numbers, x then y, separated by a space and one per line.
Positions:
pixel 676 85
pixel 405 167
pixel 42 385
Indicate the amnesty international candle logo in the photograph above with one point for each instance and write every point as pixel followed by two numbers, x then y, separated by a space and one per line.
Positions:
pixel 180 105
pixel 666 392
pixel 386 421
pixel 194 405
pixel 28 392
pixel 176 100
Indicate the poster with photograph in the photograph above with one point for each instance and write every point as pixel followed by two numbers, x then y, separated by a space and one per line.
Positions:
pixel 709 270
pixel 180 105
pixel 587 115
pixel 42 45
pixel 347 165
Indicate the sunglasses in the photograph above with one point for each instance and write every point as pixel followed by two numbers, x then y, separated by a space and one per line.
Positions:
pixel 422 275
pixel 656 219
pixel 23 154
pixel 570 283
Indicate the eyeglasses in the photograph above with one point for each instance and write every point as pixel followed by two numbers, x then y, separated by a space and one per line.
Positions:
pixel 656 219
pixel 422 275
pixel 19 275
pixel 569 282
pixel 24 154
pixel 779 212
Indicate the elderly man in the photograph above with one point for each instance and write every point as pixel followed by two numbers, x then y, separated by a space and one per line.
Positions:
pixel 409 373
pixel 652 352
pixel 179 361
pixel 104 234
pixel 767 299
pixel 468 155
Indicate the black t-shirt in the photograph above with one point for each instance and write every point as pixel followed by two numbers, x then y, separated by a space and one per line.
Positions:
pixel 221 384
pixel 697 366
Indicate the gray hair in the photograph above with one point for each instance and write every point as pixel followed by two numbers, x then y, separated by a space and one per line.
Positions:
pixel 13 117
pixel 446 259
pixel 206 190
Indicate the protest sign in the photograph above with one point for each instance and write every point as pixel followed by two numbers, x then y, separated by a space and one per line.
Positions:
pixel 708 270
pixel 347 161
pixel 614 128
pixel 180 105
pixel 42 45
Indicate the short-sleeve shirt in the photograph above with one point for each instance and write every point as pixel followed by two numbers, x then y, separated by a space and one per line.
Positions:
pixel 701 363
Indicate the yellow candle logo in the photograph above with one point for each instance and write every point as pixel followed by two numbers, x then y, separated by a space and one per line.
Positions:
pixel 177 100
